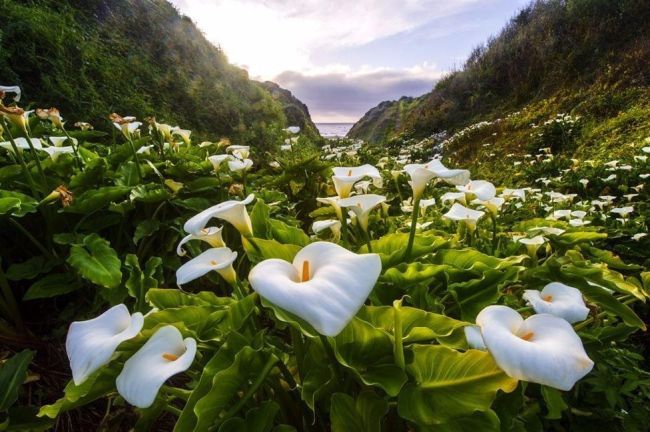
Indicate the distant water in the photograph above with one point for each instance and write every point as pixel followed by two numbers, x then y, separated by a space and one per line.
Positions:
pixel 334 130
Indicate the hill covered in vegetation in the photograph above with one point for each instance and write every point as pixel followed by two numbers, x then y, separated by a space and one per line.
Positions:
pixel 135 57
pixel 585 58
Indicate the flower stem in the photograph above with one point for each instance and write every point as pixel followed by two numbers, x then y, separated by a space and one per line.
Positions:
pixel 414 221
pixel 77 158
pixel 135 158
pixel 20 158
pixel 398 349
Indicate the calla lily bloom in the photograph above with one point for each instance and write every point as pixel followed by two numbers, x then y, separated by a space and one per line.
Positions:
pixel 215 259
pixel 532 244
pixel 15 115
pixel 126 125
pixel 91 344
pixel 453 196
pixel 421 174
pixel 51 114
pixel 164 355
pixel 329 224
pixel 240 151
pixel 560 300
pixel 362 205
pixel 461 213
pixel 514 194
pixel 237 165
pixel 325 285
pixel 492 205
pixel 231 211
pixel 184 134
pixel 58 141
pixel 55 152
pixel 217 160
pixel 22 144
pixel 426 203
pixel 474 338
pixel 293 129
pixel 334 202
pixel 345 177
pixel 210 235
pixel 543 348
pixel 480 189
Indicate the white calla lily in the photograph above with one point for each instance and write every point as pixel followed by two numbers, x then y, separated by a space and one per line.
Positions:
pixel 231 211
pixel 217 160
pixel 509 194
pixel 216 259
pixel 334 202
pixel 329 224
pixel 12 89
pixel 474 338
pixel 426 203
pixel 240 151
pixel 560 300
pixel 543 348
pixel 237 165
pixel 533 244
pixel 461 213
pixel 421 174
pixel 492 205
pixel 344 178
pixel 293 129
pixel 325 285
pixel 165 354
pixel 55 152
pixel 184 134
pixel 210 235
pixel 90 344
pixel 479 189
pixel 58 141
pixel 362 205
pixel 22 144
pixel 452 197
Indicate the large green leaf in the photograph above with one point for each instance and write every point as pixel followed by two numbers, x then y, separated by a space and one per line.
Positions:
pixel 171 298
pixel 363 414
pixel 405 275
pixel 259 249
pixel 95 199
pixel 287 234
pixel 260 216
pixel 391 247
pixel 12 375
pixel 140 281
pixel 16 204
pixel 96 261
pixel 258 419
pixel 449 384
pixel 52 285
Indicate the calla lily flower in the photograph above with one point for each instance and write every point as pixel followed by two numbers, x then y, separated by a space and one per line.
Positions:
pixel 217 160
pixel 15 115
pixel 532 244
pixel 22 144
pixel 210 235
pixel 325 285
pixel 426 203
pixel 231 211
pixel 334 202
pixel 146 149
pixel 55 152
pixel 421 174
pixel 91 344
pixel 293 129
pixel 453 196
pixel 184 134
pixel 345 177
pixel 479 189
pixel 560 300
pixel 329 224
pixel 216 259
pixel 126 125
pixel 543 348
pixel 237 165
pixel 461 213
pixel 58 141
pixel 164 355
pixel 492 205
pixel 362 205
pixel 240 151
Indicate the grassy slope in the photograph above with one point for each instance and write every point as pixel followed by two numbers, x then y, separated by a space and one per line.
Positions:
pixel 136 57
pixel 584 57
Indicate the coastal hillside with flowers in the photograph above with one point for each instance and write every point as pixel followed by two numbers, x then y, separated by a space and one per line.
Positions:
pixel 157 277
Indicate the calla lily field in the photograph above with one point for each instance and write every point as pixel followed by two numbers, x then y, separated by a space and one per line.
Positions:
pixel 194 284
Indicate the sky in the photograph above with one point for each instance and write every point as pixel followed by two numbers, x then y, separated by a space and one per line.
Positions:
pixel 342 58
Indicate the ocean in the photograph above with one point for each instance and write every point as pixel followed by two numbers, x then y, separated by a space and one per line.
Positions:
pixel 334 130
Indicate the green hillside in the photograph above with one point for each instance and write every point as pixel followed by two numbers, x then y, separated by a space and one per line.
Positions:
pixel 135 57
pixel 586 58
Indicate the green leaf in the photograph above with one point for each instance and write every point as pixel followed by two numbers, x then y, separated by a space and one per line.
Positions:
pixel 569 239
pixel 449 384
pixel 260 216
pixel 391 247
pixel 149 193
pixel 363 414
pixel 368 352
pixel 139 281
pixel 30 269
pixel 554 403
pixel 483 421
pixel 467 259
pixel 267 249
pixel 287 234
pixel 92 174
pixel 16 204
pixel 52 285
pixel 172 298
pixel 96 199
pixel 145 229
pixel 259 419
pixel 96 261
pixel 12 375
pixel 405 275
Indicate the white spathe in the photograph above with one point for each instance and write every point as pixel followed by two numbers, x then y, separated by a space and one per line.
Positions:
pixel 216 259
pixel 344 178
pixel 217 160
pixel 165 354
pixel 90 344
pixel 543 348
pixel 325 285
pixel 362 205
pixel 237 165
pixel 12 89
pixel 560 300
pixel 231 211
pixel 331 224
pixel 421 174
pixel 22 144
pixel 210 235
pixel 460 213
pixel 480 189
pixel 55 152
pixel 474 338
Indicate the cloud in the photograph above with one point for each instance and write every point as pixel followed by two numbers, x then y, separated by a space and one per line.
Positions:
pixel 343 95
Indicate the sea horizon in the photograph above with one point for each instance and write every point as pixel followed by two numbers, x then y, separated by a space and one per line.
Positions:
pixel 334 129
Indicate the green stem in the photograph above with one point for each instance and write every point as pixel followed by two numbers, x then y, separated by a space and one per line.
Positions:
pixel 19 156
pixel 298 348
pixel 494 233
pixel 177 392
pixel 398 349
pixel 135 158
pixel 332 358
pixel 37 160
pixel 172 409
pixel 77 158
pixel 367 235
pixel 344 227
pixel 414 222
